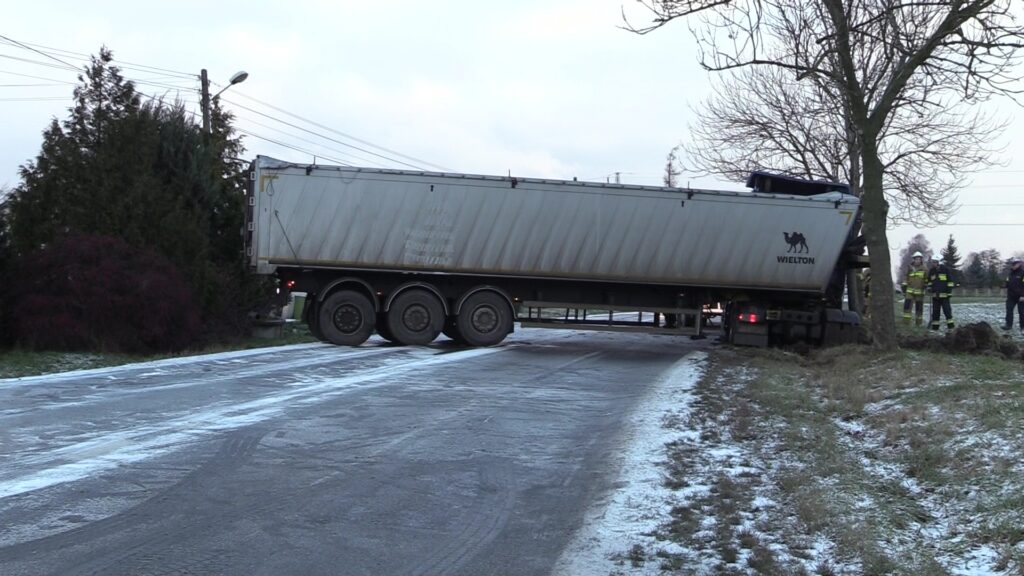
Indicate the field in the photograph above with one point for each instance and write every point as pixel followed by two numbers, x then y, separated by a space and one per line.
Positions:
pixel 848 460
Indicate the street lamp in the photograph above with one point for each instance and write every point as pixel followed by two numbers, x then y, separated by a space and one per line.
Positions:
pixel 237 78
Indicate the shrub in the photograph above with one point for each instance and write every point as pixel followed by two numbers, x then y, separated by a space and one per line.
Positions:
pixel 88 292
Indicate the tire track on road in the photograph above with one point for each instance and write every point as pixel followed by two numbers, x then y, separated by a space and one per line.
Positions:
pixel 237 449
pixel 489 515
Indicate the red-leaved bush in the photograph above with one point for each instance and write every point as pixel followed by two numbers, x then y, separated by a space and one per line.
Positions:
pixel 87 292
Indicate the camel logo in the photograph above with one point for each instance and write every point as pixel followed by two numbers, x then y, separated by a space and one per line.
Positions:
pixel 797 245
pixel 797 242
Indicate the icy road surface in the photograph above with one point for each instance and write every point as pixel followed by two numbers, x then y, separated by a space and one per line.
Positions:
pixel 314 459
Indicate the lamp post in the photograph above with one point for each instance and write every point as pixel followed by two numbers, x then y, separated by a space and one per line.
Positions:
pixel 237 78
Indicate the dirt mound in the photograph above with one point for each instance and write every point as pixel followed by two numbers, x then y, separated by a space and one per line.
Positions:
pixel 917 342
pixel 977 338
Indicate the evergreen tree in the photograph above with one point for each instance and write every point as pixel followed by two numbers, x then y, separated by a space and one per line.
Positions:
pixel 6 331
pixel 951 258
pixel 951 254
pixel 147 174
pixel 74 182
pixel 974 272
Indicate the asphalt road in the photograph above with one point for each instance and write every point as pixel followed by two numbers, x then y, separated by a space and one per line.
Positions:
pixel 321 460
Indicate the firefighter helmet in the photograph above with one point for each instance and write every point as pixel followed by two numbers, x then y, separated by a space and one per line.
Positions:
pixel 918 255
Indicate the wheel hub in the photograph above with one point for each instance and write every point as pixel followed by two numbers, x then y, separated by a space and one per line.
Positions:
pixel 347 318
pixel 484 319
pixel 416 318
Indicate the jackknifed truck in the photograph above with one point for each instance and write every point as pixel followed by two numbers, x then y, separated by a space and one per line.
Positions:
pixel 411 255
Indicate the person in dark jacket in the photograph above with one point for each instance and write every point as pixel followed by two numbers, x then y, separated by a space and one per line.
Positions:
pixel 940 284
pixel 1015 293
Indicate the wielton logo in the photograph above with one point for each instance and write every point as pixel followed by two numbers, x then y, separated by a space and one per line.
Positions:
pixel 798 244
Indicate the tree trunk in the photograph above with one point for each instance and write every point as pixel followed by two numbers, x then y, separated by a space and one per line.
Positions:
pixel 854 282
pixel 875 211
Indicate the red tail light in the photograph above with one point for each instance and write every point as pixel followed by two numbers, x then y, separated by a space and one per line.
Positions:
pixel 751 318
pixel 289 284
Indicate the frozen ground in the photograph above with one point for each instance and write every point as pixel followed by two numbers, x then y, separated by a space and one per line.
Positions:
pixel 634 512
pixel 970 312
pixel 314 459
pixel 641 503
pixel 626 532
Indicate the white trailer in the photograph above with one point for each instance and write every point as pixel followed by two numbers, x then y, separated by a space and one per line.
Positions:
pixel 405 252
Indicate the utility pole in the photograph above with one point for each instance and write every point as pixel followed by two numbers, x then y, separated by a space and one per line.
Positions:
pixel 205 81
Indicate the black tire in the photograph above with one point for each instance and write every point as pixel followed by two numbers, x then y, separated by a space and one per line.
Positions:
pixel 485 319
pixel 346 318
pixel 311 313
pixel 451 330
pixel 416 317
pixel 382 328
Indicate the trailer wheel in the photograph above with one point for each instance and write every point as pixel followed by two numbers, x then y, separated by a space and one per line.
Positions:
pixel 484 320
pixel 346 318
pixel 415 317
pixel 312 317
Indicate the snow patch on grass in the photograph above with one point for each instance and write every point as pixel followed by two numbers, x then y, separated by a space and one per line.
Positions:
pixel 631 515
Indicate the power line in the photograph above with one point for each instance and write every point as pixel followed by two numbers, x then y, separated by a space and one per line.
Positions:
pixel 296 148
pixel 38 77
pixel 286 123
pixel 32 85
pixel 85 57
pixel 255 135
pixel 160 85
pixel 279 131
pixel 25 46
pixel 166 76
pixel 349 136
pixel 39 63
pixel 972 186
pixel 36 99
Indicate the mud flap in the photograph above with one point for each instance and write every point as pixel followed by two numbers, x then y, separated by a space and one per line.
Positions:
pixel 744 334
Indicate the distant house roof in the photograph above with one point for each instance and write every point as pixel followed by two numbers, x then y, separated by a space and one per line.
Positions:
pixel 782 184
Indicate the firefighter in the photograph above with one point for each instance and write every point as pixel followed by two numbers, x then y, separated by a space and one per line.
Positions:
pixel 941 284
pixel 1015 293
pixel 913 289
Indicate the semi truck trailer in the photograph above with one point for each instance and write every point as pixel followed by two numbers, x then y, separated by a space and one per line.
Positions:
pixel 411 255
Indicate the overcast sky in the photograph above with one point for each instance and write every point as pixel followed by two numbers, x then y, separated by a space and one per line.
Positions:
pixel 539 88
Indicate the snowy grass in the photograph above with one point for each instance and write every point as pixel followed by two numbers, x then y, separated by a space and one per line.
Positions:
pixel 17 363
pixel 849 461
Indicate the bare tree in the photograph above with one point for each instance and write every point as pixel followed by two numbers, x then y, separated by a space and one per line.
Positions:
pixel 670 178
pixel 762 119
pixel 878 57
